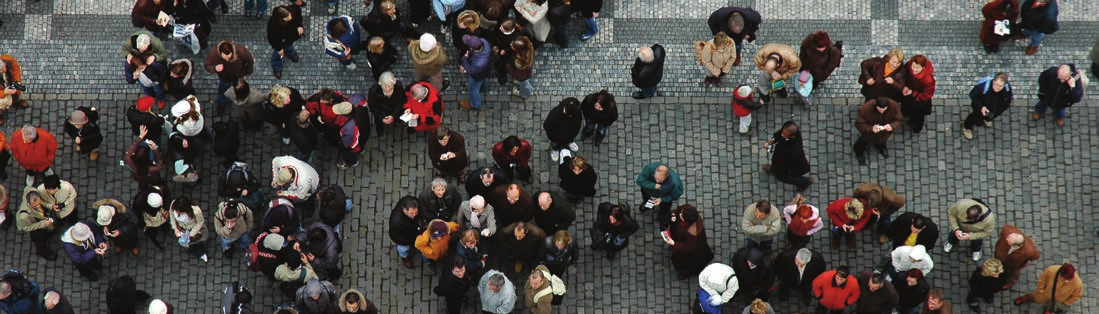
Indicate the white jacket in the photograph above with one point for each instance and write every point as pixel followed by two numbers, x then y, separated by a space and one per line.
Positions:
pixel 903 255
pixel 305 181
pixel 719 280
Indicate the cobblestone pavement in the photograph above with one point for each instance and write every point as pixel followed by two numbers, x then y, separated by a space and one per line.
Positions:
pixel 1037 176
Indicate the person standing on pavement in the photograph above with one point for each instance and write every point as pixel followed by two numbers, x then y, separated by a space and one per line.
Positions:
pixel 1038 19
pixel 755 272
pixel 11 84
pixel 189 225
pixel 148 73
pixel 405 224
pixel 149 201
pixel 53 302
pixel 324 248
pixel 118 224
pixel 560 252
pixel 512 204
pixel 34 149
pixel 911 229
pixel 848 216
pixel 906 258
pixel 882 199
pixel 802 221
pixel 60 196
pixel 475 214
pixel 522 244
pixel 1059 87
pixel 562 124
pixel 282 107
pixel 660 186
pixel 686 235
pixel 717 285
pixel 716 57
pixel 788 160
pixel 19 294
pixel 428 59
pixel 380 55
pixel 477 64
pixel 473 250
pixel 777 63
pixel 83 126
pixel 384 21
pixel 296 181
pixel 386 99
pixel 38 222
pixel 796 269
pixel 876 295
pixel 589 10
pixel 316 297
pixel 353 301
pixel 453 284
pixel 231 62
pixel 578 178
pixel 820 56
pixel 919 87
pixel 440 200
pixel 994 12
pixel 497 293
pixel 435 242
pixel 533 14
pixel 836 290
pixel 424 109
pixel 152 15
pixel 648 70
pixel 447 152
pixel 612 228
pixel 936 303
pixel 745 100
pixel 513 155
pixel 877 120
pixel 233 223
pixel 600 112
pixel 883 76
pixel 520 65
pixel 553 213
pixel 985 281
pixel 283 29
pixel 1014 250
pixel 912 289
pixel 342 40
pixel 991 97
pixel 762 223
pixel 739 23
pixel 1059 287
pixel 972 220
pixel 85 248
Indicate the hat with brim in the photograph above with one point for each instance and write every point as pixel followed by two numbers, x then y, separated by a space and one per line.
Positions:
pixel 78 117
pixel 81 232
pixel 106 214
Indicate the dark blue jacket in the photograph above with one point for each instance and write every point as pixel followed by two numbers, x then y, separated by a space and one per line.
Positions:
pixel 996 102
pixel 155 71
pixel 25 303
pixel 79 254
pixel 719 22
pixel 1057 94
pixel 477 62
pixel 1043 19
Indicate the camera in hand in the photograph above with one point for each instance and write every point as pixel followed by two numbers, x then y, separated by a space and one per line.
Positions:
pixel 20 87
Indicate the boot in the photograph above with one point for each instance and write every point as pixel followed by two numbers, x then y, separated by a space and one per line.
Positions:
pixel 94 155
pixel 709 81
pixel 835 242
pixel 407 262
pixel 850 241
pixel 717 81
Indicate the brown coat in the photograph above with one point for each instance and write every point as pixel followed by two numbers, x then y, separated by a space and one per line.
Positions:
pixel 1067 292
pixel 239 66
pixel 869 117
pixel 429 62
pixel 716 60
pixel 1016 260
pixel 820 64
pixel 145 12
pixel 879 196
pixel 790 61
pixel 874 68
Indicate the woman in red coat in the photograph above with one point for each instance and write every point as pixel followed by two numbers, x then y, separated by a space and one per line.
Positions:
pixel 687 236
pixel 848 217
pixel 993 11
pixel 424 108
pixel 513 155
pixel 919 87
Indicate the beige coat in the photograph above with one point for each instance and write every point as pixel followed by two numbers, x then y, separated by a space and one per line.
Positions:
pixel 536 15
pixel 429 62
pixel 790 61
pixel 760 230
pixel 979 230
pixel 717 61
pixel 66 195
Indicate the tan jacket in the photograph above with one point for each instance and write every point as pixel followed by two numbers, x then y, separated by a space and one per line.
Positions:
pixel 717 61
pixel 979 230
pixel 1067 292
pixel 66 195
pixel 790 61
pixel 244 221
pixel 879 196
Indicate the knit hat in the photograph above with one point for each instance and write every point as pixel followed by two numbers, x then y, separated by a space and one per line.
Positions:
pixel 106 213
pixel 743 92
pixel 821 39
pixel 427 42
pixel 273 241
pixel 343 108
pixel 81 232
pixel 142 42
pixel 803 77
pixel 145 103
pixel 284 176
pixel 918 253
pixel 158 307
pixel 1068 271
pixel 181 108
pixel 438 228
pixel 472 41
pixel 155 200
pixel 78 117
pixel 278 216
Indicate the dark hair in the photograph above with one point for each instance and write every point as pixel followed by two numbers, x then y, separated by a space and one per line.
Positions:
pixel 915 273
pixel 408 201
pixel 572 106
pixel 919 223
pixel 606 99
pixel 316 235
pixel 763 206
pixel 689 213
pixel 231 211
pixel 792 127
pixel 441 131
pixel 243 297
pixel 877 278
pixel 138 60
pixel 843 271
pixel 185 205
pixel 225 48
pixel 973 212
pixel 352 298
pixel 511 142
pixel 241 89
pixel 281 12
pixel 141 159
pixel 179 68
pixel 457 261
pixel 52 182
pixel 882 102
pixel 337 27
pixel 326 94
pixel 617 212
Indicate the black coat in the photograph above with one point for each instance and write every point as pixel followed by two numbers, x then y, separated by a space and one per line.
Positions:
pixel 647 75
pixel 288 113
pixel 402 229
pixel 381 62
pixel 559 13
pixel 586 7
pixel 560 127
pixel 1043 19
pixel 90 135
pixel 901 228
pixel 982 95
pixel 283 34
pixel 234 181
pixel 719 22
pixel 910 296
pixel 333 212
pixel 580 184
pixel 382 106
pixel 603 227
pixel 787 270
pixel 983 286
pixel 1058 95
pixel 760 278
pixel 558 217
pixel 153 122
pixel 789 159
pixel 452 287
pixel 554 258
pixel 123 296
pixel 434 207
pixel 605 117
pixel 63 304
pixel 474 185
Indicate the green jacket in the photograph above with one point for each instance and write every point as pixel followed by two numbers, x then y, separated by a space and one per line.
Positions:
pixel 985 225
pixel 669 191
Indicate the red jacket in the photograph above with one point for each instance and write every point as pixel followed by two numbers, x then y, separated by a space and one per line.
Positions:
pixel 14 74
pixel 432 107
pixel 37 155
pixel 838 214
pixel 994 11
pixel 522 158
pixel 833 297
pixel 923 84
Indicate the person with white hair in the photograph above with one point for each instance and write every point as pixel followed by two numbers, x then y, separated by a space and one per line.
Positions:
pixel 796 269
pixel 745 100
pixel 717 285
pixel 648 70
pixel 34 149
pixel 440 201
pixel 54 302
pixel 85 248
pixel 497 293
pixel 386 99
pixel 477 215
pixel 160 307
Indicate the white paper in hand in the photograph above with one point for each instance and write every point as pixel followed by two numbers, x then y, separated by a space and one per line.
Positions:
pixel 408 118
pixel 1002 28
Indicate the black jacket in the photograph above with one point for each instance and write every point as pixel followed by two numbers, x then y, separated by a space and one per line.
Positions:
pixel 984 286
pixel 452 287
pixel 381 62
pixel 474 185
pixel 647 75
pixel 788 159
pixel 560 127
pixel 152 121
pixel 283 34
pixel 760 278
pixel 603 226
pixel 1043 19
pixel 288 113
pixel 402 229
pixel 558 217
pixel 605 117
pixel 434 207
pixel 333 212
pixel 235 180
pixel 1057 94
pixel 719 22
pixel 580 184
pixel 586 7
pixel 901 228
pixel 910 296
pixel 382 106
pixel 787 270
pixel 90 135
pixel 984 96
pixel 559 258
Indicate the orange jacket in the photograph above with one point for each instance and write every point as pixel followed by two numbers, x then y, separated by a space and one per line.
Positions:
pixel 435 250
pixel 13 74
pixel 37 155
pixel 832 297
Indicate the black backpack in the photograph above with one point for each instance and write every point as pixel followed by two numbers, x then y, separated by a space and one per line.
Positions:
pixel 20 286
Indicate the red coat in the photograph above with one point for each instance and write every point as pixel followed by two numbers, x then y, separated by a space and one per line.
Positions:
pixel 838 214
pixel 832 297
pixel 432 107
pixel 13 73
pixel 37 155
pixel 994 11
pixel 521 159
pixel 923 84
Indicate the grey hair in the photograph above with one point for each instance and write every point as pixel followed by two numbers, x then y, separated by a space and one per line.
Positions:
pixel 33 196
pixel 30 131
pixel 804 255
pixel 438 182
pixel 645 54
pixel 387 79
pixel 497 280
pixel 419 91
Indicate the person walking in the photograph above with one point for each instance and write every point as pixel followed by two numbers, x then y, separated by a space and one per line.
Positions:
pixel 1038 18
pixel 919 88
pixel 820 56
pixel 687 236
pixel 985 281
pixel 739 23
pixel 1059 287
pixel 1014 250
pixel 877 120
pixel 998 23
pixel 836 289
pixel 283 29
pixel 600 112
pixel 716 57
pixel 648 70
pixel 476 63
pixel 788 160
pixel 562 124
pixel 520 66
pixel 231 62
pixel 1059 87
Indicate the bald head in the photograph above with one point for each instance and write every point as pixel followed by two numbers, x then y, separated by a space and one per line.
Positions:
pixel 1064 73
pixel 645 54
pixel 545 201
pixel 1015 239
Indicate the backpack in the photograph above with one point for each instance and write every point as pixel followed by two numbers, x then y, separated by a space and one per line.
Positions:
pixel 254 253
pixel 239 167
pixel 20 286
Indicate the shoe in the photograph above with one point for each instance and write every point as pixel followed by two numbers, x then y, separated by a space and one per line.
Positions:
pixel 227 254
pixel 717 81
pixel 136 251
pixel 446 83
pixel 351 66
pixel 341 165
pixel 967 133
pixel 995 48
pixel 465 105
pixel 585 37
pixel 1018 301
pixel 286 141
pixel 203 258
pixel 278 74
pixel 331 10
pixel 22 103
pixel 224 8
pixel 862 158
pixel 515 92
pixel 766 168
pixel 574 147
pixel 118 249
pixel 884 152
pixel 30 180
pixel 407 262
pixel 988 124
pixel 50 257
pixel 976 256
pixel 882 239
pixel 294 58
pixel 737 61
pixel 765 98
pixel 259 15
pixel 838 44
pixel 708 81
pixel 247 12
pixel 835 242
pixel 1060 122
pixel 802 188
pixel 681 275
pixel 850 242
pixel 90 275
pixel 430 269
pixel 94 155
pixel 988 49
pixel 554 155
pixel 1035 116
pixel 975 308
pixel 638 95
pixel 947 247
pixel 1031 50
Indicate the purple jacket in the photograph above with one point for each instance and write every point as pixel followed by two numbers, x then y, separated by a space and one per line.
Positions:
pixel 78 253
pixel 477 62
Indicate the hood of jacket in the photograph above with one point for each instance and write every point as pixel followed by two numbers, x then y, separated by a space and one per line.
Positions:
pixel 190 68
pixel 928 71
pixel 343 305
pixel 424 57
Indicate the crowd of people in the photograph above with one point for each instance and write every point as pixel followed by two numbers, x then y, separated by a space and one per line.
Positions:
pixel 503 233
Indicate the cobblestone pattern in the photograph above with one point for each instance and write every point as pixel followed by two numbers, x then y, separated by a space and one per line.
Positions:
pixel 815 10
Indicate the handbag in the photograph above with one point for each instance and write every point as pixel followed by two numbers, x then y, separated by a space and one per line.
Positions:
pixel 1055 306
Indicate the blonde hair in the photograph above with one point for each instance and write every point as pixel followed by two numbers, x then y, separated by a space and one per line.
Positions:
pixel 579 162
pixel 895 53
pixel 470 236
pixel 278 93
pixel 992 266
pixel 524 52
pixel 562 236
pixel 377 45
pixel 854 209
pixel 758 307
pixel 721 40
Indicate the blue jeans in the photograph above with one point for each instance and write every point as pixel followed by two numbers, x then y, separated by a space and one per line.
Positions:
pixel 592 127
pixel 276 60
pixel 333 3
pixel 154 91
pixel 704 300
pixel 801 180
pixel 1035 36
pixel 1041 106
pixel 259 5
pixel 243 241
pixel 739 47
pixel 592 27
pixel 524 89
pixel 403 250
pixel 764 246
pixel 561 33
pixel 648 92
pixel 222 87
pixel 975 245
pixel 475 87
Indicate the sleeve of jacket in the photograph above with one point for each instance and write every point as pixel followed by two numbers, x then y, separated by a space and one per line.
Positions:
pixel 898 119
pixel 867 67
pixel 422 242
pixel 1076 94
pixel 746 222
pixel 861 123
pixel 927 92
pixel 677 187
pixel 988 227
pixel 705 56
pixel 246 57
pixel 952 214
pixel 273 37
pixel 459 141
pixel 213 59
pixel 78 256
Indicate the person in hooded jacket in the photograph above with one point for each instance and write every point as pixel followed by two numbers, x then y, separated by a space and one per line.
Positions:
pixel 477 64
pixel 323 248
pixel 180 82
pixel 83 126
pixel 317 297
pixel 919 87
pixel 118 224
pixel 991 97
pixel 230 61
pixel 354 301
pixel 405 224
pixel 513 155
pixel 820 56
pixel 755 273
pixel 562 124
pixel 788 161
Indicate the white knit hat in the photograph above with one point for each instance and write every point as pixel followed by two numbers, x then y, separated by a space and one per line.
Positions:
pixel 155 200
pixel 106 214
pixel 427 42
pixel 158 307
